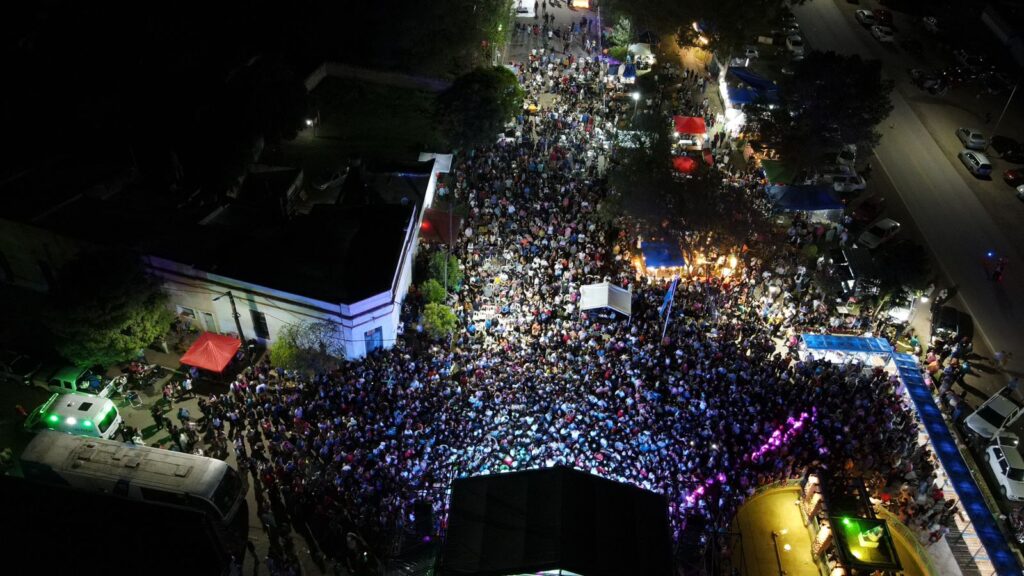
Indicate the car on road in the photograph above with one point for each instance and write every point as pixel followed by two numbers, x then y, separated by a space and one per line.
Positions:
pixel 865 17
pixel 17 367
pixel 976 163
pixel 972 138
pixel 1020 192
pixel 1014 177
pixel 1007 467
pixel 882 33
pixel 950 324
pixel 879 233
pixel 795 44
pixel 995 414
pixel 847 155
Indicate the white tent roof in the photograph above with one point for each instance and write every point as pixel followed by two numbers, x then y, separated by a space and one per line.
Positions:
pixel 606 295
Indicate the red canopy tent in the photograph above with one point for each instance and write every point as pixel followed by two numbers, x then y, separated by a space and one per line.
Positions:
pixel 690 125
pixel 684 164
pixel 212 352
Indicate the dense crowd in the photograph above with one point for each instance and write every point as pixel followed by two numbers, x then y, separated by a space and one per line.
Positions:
pixel 703 415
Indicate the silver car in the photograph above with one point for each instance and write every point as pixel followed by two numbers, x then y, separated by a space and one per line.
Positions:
pixel 971 138
pixel 976 163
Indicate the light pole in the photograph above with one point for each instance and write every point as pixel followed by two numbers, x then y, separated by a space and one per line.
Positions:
pixel 636 103
pixel 1003 113
pixel 238 323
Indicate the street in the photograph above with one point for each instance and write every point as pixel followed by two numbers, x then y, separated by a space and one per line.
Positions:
pixel 938 192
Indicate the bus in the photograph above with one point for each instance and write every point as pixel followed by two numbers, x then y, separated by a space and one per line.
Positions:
pixel 137 472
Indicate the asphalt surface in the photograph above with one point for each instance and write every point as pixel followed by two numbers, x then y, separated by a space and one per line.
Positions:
pixel 939 193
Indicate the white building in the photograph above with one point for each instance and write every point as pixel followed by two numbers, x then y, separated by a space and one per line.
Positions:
pixel 350 265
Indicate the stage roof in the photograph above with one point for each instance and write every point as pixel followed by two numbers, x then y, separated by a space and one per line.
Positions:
pixel 555 518
pixel 662 255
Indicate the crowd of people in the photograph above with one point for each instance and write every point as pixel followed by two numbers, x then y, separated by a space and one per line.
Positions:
pixel 703 413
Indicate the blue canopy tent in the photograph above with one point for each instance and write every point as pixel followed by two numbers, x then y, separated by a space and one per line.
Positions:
pixel 847 344
pixel 662 255
pixel 804 198
pixel 759 83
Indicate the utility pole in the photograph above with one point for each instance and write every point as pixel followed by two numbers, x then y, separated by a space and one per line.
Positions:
pixel 238 324
pixel 1003 113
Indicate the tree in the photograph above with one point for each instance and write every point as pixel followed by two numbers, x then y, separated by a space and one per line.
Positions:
pixel 105 308
pixel 475 109
pixel 903 264
pixel 727 24
pixel 433 291
pixel 622 33
pixel 310 346
pixel 831 100
pixel 439 320
pixel 453 275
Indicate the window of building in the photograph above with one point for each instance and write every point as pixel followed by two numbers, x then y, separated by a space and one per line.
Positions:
pixel 374 339
pixel 259 324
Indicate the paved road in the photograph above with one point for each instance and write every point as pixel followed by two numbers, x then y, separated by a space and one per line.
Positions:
pixel 951 219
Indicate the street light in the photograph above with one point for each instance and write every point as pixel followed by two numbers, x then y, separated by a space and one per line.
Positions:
pixel 636 102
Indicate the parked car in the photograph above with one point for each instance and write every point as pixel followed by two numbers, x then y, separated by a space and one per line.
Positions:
pixel 879 233
pixel 1007 466
pixel 972 138
pixel 865 17
pixel 791 28
pixel 80 380
pixel 1003 144
pixel 750 52
pixel 1020 192
pixel 17 367
pixel 882 33
pixel 847 155
pixel 994 414
pixel 976 163
pixel 847 184
pixel 868 210
pixel 795 44
pixel 78 414
pixel 950 324
pixel 1014 177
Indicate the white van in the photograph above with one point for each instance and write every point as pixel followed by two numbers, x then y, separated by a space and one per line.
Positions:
pixel 79 414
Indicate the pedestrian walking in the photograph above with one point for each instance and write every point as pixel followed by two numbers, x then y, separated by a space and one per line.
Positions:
pixel 158 417
pixel 168 395
pixel 1002 357
pixel 186 388
pixel 184 416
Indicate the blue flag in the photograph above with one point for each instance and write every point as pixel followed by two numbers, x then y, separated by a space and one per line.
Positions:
pixel 668 296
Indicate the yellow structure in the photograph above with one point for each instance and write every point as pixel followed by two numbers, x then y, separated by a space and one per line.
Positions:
pixel 771 535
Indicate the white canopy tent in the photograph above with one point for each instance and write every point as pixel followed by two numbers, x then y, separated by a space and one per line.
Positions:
pixel 606 295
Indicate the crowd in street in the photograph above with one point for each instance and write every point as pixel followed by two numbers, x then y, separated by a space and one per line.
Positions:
pixel 704 414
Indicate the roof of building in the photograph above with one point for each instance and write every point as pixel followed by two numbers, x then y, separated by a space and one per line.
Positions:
pixel 555 518
pixel 335 254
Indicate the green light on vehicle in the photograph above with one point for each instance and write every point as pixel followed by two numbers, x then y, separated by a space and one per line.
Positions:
pixel 846 521
pixel 71 421
pixel 86 423
pixel 53 418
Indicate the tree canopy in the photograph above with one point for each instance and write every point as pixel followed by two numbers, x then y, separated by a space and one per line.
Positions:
pixel 105 308
pixel 439 320
pixel 831 100
pixel 311 347
pixel 475 109
pixel 728 24
pixel 452 275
